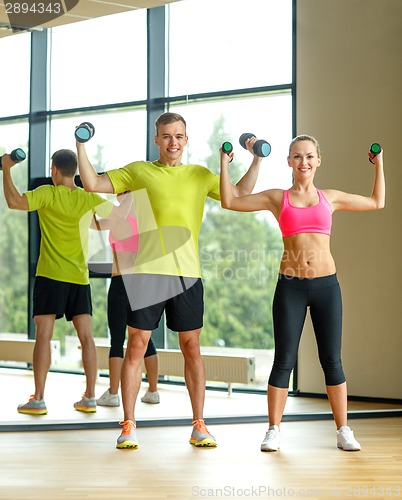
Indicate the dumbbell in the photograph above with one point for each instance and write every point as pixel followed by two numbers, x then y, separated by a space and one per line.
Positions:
pixel 17 155
pixel 227 148
pixel 261 148
pixel 375 149
pixel 84 132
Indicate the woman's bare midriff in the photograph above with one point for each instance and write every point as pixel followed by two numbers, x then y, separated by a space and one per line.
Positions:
pixel 307 255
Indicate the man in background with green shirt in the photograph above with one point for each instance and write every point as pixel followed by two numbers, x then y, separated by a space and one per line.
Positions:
pixel 169 200
pixel 62 277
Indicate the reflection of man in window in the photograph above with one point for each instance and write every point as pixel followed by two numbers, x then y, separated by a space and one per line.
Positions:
pixel 62 278
pixel 173 210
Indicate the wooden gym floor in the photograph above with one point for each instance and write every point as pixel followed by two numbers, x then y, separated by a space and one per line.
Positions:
pixel 84 464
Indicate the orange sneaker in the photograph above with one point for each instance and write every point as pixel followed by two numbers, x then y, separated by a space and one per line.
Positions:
pixel 33 407
pixel 128 436
pixel 200 435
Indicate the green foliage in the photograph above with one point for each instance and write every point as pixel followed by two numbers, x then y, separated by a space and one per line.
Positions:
pixel 99 290
pixel 240 254
pixel 14 260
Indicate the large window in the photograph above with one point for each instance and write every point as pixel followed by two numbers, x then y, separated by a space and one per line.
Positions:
pixel 120 136
pixel 227 69
pixel 101 61
pixel 228 44
pixel 228 74
pixel 108 57
pixel 15 61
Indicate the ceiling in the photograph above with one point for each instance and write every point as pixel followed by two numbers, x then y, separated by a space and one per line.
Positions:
pixel 62 12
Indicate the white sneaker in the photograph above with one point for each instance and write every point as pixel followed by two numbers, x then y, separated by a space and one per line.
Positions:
pixel 151 397
pixel 108 399
pixel 345 439
pixel 272 439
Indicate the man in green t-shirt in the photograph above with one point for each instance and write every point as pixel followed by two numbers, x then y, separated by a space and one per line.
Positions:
pixel 169 200
pixel 62 277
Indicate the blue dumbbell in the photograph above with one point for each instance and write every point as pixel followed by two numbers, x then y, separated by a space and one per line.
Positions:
pixel 261 147
pixel 17 155
pixel 84 132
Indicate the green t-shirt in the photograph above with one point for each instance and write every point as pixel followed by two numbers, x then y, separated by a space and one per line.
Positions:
pixel 169 204
pixel 64 218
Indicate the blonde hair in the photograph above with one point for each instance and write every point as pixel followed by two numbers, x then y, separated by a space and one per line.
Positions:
pixel 305 137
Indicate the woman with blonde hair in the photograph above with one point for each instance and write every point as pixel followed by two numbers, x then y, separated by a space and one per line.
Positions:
pixel 307 276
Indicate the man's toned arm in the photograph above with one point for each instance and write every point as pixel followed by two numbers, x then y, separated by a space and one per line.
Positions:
pixel 14 199
pixel 91 180
pixel 247 182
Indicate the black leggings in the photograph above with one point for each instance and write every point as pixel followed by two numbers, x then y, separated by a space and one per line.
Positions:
pixel 118 307
pixel 292 297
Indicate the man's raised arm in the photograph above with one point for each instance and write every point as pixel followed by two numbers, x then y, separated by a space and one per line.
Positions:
pixel 13 197
pixel 246 184
pixel 91 180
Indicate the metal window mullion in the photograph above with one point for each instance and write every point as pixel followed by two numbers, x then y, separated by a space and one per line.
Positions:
pixel 37 145
pixel 156 51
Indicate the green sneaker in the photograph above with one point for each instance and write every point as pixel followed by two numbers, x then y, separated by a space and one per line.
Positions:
pixel 200 435
pixel 33 407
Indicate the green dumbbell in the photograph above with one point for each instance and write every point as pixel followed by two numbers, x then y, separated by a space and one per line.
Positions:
pixel 227 148
pixel 375 149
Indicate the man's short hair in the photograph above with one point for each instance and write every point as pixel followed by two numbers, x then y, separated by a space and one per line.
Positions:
pixel 167 118
pixel 66 161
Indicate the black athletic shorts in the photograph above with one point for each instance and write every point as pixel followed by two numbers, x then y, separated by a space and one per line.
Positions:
pixel 118 308
pixel 60 298
pixel 181 298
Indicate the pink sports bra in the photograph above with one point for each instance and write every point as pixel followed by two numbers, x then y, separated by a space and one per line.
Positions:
pixel 314 219
pixel 129 244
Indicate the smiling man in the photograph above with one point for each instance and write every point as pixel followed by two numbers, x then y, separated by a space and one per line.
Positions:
pixel 169 199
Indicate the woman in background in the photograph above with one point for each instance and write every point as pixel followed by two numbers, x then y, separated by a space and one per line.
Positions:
pixel 123 239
